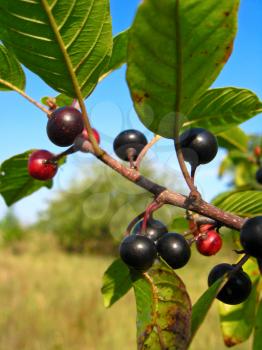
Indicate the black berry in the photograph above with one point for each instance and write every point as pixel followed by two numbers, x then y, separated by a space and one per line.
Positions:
pixel 251 236
pixel 259 176
pixel 237 288
pixel 154 229
pixel 138 252
pixel 64 125
pixel 129 143
pixel 174 249
pixel 199 146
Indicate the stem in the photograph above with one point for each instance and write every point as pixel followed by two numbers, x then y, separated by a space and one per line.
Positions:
pixel 146 149
pixel 133 222
pixel 179 153
pixel 28 98
pixel 70 150
pixel 149 210
pixel 74 80
pixel 169 197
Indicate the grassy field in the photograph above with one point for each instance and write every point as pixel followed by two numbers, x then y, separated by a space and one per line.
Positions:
pixel 52 301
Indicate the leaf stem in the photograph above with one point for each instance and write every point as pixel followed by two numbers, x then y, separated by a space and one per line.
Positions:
pixel 74 80
pixel 146 149
pixel 27 97
pixel 179 77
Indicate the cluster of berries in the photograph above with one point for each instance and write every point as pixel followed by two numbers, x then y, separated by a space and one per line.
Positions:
pixel 65 128
pixel 140 249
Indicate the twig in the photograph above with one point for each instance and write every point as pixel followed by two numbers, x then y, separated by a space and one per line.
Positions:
pixel 28 98
pixel 146 149
pixel 169 197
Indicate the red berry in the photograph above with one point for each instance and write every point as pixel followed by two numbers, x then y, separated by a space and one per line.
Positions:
pixel 257 151
pixel 95 133
pixel 82 142
pixel 206 227
pixel 209 243
pixel 39 167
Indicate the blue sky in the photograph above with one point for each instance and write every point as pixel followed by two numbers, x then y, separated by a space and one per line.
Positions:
pixel 23 126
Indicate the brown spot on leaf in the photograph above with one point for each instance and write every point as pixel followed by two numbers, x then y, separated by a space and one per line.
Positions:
pixel 140 97
pixel 228 52
pixel 226 13
pixel 230 341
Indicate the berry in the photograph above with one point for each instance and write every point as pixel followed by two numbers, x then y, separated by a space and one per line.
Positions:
pixel 251 236
pixel 138 252
pixel 40 167
pixel 129 143
pixel 257 151
pixel 154 229
pixel 64 125
pixel 259 176
pixel 237 288
pixel 174 249
pixel 199 146
pixel 82 142
pixel 209 243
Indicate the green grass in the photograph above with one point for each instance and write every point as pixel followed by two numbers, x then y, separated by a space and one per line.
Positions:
pixel 52 301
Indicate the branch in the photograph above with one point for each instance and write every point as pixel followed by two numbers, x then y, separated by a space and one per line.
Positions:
pixel 146 149
pixel 166 196
pixel 28 98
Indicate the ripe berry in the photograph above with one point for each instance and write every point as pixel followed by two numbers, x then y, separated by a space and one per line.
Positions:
pixel 199 146
pixel 174 249
pixel 259 176
pixel 237 288
pixel 154 229
pixel 209 243
pixel 40 167
pixel 251 236
pixel 129 143
pixel 64 125
pixel 138 252
pixel 82 142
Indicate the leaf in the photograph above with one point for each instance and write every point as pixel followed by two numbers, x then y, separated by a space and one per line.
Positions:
pixel 116 282
pixel 233 138
pixel 202 306
pixel 163 316
pixel 257 343
pixel 67 43
pixel 119 53
pixel 15 182
pixel 176 50
pixel 11 71
pixel 237 321
pixel 217 110
pixel 61 100
pixel 242 203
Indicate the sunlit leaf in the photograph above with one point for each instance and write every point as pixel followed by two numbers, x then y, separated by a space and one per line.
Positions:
pixel 176 50
pixel 67 43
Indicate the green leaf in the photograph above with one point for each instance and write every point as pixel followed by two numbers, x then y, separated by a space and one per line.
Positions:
pixel 257 343
pixel 163 316
pixel 11 71
pixel 220 109
pixel 15 182
pixel 202 306
pixel 67 43
pixel 233 138
pixel 61 100
pixel 237 321
pixel 242 203
pixel 119 53
pixel 116 282
pixel 176 50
